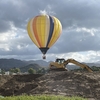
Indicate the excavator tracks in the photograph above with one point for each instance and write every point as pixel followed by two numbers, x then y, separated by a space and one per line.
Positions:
pixel 58 69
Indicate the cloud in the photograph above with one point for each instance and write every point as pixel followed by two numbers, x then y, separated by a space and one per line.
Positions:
pixel 88 57
pixel 80 22
pixel 73 41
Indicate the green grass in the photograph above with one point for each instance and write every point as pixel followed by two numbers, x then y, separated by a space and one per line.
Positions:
pixel 42 97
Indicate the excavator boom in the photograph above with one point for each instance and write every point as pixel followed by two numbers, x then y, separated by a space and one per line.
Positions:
pixel 78 64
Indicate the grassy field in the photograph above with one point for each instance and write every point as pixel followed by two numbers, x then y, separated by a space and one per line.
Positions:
pixel 42 97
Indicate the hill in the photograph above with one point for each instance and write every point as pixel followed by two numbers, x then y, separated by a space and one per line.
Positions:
pixel 11 63
pixel 7 64
pixel 34 66
pixel 67 83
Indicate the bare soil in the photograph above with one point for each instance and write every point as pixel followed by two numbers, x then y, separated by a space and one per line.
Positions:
pixel 67 83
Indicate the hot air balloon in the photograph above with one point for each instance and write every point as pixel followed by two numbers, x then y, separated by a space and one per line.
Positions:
pixel 44 30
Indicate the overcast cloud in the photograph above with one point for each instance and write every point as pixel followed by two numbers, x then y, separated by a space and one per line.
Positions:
pixel 80 38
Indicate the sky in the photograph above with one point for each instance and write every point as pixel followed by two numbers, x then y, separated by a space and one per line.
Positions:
pixel 80 37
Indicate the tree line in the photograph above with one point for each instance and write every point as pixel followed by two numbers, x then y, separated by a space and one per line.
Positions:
pixel 39 71
pixel 29 71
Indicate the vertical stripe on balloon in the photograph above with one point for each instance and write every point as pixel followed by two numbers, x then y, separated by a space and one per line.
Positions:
pixel 42 34
pixel 35 30
pixel 31 33
pixel 56 32
pixel 51 30
pixel 47 29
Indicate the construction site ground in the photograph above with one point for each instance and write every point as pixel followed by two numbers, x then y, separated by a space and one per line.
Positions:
pixel 67 83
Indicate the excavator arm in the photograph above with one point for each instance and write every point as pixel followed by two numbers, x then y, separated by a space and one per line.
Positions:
pixel 78 64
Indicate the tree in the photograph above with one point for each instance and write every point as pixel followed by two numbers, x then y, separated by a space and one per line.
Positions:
pixel 2 71
pixel 15 70
pixel 31 71
pixel 94 68
pixel 41 70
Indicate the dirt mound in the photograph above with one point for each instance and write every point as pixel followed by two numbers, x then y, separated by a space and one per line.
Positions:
pixel 83 84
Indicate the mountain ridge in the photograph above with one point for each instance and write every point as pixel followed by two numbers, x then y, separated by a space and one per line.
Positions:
pixel 11 63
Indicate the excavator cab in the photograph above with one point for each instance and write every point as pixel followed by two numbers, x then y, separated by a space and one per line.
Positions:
pixel 60 61
pixel 58 65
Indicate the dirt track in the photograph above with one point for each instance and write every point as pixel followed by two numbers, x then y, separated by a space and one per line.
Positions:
pixel 83 84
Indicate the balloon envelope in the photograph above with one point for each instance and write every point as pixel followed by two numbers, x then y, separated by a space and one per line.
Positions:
pixel 44 30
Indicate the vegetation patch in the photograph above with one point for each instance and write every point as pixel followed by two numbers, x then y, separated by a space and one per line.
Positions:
pixel 42 97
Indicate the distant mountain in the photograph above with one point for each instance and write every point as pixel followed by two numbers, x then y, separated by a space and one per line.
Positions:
pixel 93 64
pixel 7 64
pixel 42 63
pixel 11 63
pixel 73 66
pixel 34 66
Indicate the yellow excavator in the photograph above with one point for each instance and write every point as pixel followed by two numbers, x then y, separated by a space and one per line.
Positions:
pixel 60 64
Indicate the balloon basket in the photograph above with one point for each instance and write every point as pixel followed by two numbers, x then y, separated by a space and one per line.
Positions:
pixel 44 57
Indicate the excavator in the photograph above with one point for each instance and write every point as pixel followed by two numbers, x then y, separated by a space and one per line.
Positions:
pixel 60 64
